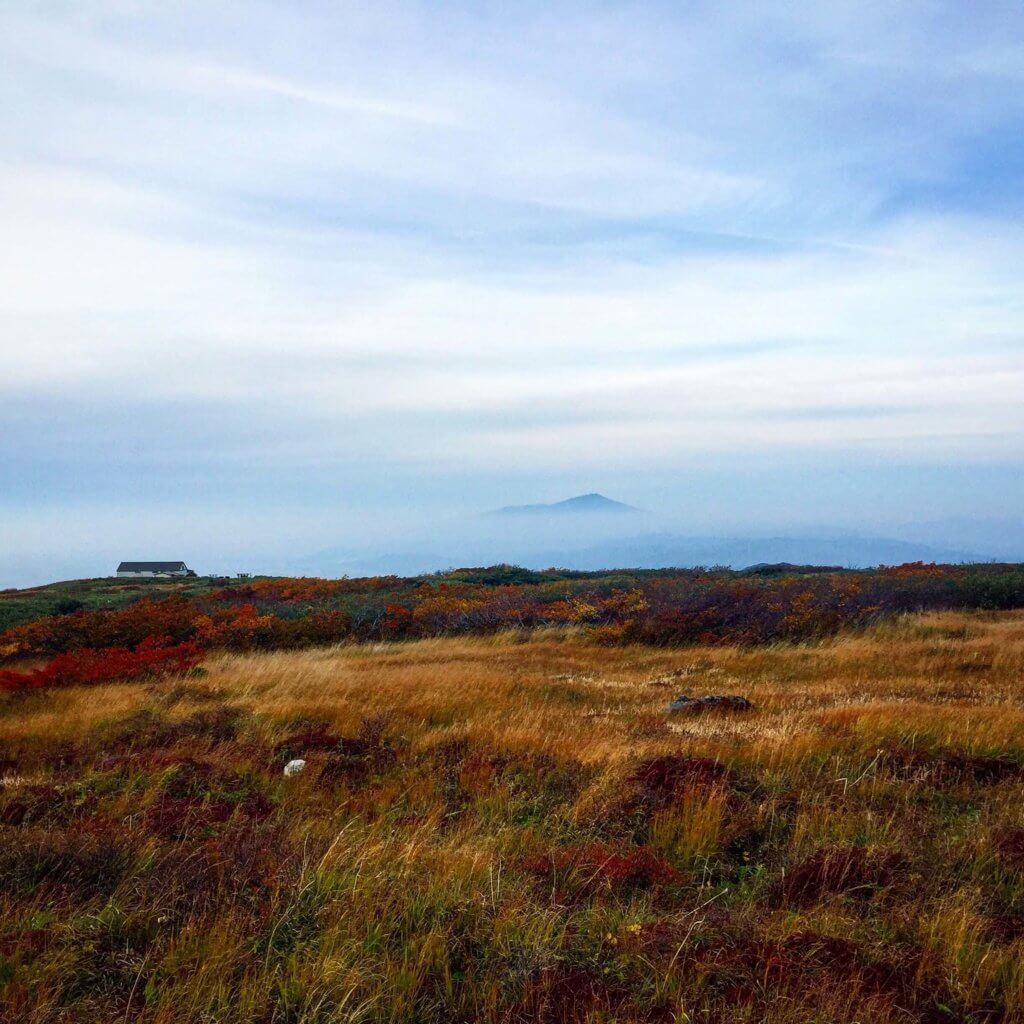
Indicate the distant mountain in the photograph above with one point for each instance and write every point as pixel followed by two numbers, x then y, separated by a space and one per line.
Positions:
pixel 582 504
pixel 656 551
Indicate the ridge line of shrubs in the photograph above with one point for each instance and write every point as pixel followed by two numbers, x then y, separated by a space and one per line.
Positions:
pixel 667 609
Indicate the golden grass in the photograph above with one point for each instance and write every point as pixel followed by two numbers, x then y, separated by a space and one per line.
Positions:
pixel 576 699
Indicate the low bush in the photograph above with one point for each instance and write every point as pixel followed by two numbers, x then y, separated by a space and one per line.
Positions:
pixel 154 656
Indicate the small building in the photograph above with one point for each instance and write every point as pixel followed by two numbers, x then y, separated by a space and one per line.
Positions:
pixel 130 570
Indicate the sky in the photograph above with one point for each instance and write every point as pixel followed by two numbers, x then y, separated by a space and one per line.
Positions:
pixel 285 275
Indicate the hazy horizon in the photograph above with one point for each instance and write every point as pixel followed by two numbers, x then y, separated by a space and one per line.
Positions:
pixel 644 538
pixel 284 278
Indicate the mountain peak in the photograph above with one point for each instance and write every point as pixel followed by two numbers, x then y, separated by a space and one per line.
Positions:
pixel 582 503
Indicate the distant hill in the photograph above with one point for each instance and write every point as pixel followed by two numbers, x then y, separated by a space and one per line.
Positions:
pixel 582 504
pixel 789 569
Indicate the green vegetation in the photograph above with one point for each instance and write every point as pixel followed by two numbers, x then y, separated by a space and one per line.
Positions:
pixel 20 606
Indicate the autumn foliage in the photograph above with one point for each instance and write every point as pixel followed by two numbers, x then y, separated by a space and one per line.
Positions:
pixel 153 657
pixel 675 607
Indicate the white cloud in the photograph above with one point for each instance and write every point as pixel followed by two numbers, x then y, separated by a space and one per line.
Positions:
pixel 545 236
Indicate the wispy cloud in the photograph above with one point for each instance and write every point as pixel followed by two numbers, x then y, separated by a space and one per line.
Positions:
pixel 562 239
pixel 226 80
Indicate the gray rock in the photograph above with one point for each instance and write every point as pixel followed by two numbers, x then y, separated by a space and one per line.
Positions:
pixel 714 702
pixel 294 767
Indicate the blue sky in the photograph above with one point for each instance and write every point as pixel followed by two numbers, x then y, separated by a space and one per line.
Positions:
pixel 277 275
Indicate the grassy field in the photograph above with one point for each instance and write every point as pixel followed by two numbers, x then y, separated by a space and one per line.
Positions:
pixel 512 828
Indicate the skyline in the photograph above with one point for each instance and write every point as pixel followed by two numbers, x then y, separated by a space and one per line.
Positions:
pixel 276 274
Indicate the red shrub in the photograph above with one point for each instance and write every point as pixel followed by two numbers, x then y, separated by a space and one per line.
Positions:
pixel 29 941
pixel 661 781
pixel 805 950
pixel 850 869
pixel 30 805
pixel 1007 926
pixel 951 767
pixel 397 621
pixel 605 867
pixel 314 736
pixel 153 657
pixel 800 963
pixel 566 995
pixel 176 817
pixel 193 799
pixel 1009 844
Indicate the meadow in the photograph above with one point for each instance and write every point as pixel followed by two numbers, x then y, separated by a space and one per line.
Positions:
pixel 511 827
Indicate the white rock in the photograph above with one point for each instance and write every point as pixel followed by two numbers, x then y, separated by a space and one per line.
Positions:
pixel 294 767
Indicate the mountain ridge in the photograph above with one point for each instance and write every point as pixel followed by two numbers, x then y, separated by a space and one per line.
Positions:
pixel 579 504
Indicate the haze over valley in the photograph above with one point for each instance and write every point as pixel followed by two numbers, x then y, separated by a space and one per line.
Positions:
pixel 594 532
